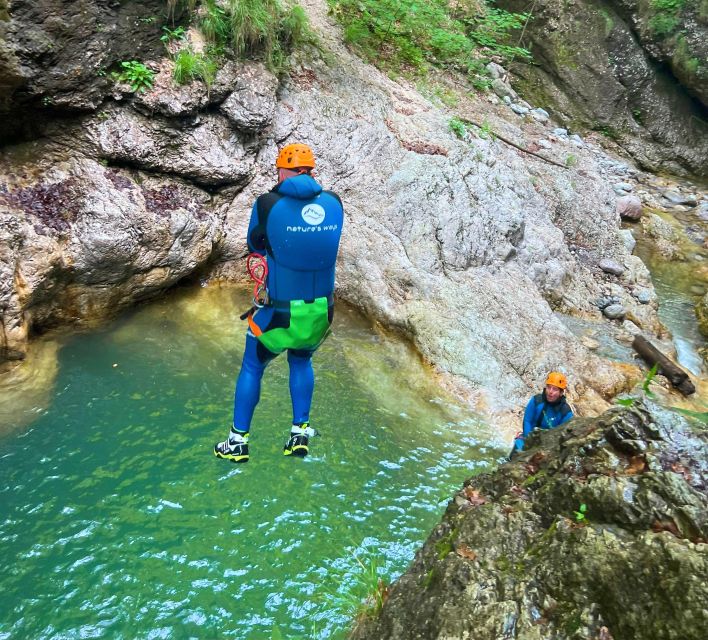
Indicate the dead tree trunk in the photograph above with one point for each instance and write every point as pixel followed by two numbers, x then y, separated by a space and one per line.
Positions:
pixel 651 355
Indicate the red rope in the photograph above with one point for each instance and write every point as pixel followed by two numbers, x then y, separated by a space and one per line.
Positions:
pixel 258 270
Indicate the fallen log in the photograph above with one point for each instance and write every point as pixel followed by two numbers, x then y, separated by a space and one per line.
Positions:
pixel 652 356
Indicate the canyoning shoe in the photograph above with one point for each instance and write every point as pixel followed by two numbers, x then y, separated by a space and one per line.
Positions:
pixel 298 443
pixel 235 448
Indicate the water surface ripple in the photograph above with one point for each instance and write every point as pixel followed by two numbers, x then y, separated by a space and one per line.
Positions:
pixel 116 521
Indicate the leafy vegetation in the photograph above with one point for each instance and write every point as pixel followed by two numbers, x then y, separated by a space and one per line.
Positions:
pixel 178 33
pixel 190 66
pixel 260 29
pixel 458 128
pixel 580 513
pixel 413 36
pixel 362 593
pixel 136 74
pixel 666 16
pixel 648 378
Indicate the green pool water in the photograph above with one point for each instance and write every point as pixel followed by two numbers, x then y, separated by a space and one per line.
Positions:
pixel 116 520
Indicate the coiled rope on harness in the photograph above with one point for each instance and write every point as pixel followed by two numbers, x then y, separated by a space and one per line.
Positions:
pixel 257 268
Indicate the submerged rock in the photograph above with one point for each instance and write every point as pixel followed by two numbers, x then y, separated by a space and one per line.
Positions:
pixel 598 530
pixel 674 197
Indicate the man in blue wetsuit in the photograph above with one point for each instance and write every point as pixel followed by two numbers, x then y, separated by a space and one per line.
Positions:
pixel 297 226
pixel 547 409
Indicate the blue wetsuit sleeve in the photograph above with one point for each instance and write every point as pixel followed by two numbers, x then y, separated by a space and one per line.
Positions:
pixel 256 236
pixel 529 417
pixel 565 418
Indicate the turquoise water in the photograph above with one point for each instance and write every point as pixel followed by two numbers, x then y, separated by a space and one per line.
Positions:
pixel 116 520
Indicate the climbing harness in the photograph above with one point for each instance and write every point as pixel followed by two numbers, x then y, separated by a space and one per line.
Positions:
pixel 257 268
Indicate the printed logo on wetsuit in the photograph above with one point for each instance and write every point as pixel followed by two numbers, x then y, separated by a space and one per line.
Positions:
pixel 313 214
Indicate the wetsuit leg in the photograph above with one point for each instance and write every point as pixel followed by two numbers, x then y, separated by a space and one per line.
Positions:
pixel 302 383
pixel 248 387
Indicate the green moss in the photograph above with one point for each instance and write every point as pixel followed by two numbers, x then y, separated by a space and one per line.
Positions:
pixel 703 11
pixel 429 578
pixel 607 131
pixel 503 564
pixel 564 53
pixel 683 58
pixel 609 22
pixel 531 479
pixel 445 546
pixel 572 624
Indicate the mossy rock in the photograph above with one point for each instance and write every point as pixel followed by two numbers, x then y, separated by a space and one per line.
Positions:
pixel 516 556
pixel 702 315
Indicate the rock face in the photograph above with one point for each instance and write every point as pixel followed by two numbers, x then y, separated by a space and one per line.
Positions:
pixel 466 246
pixel 598 530
pixel 54 55
pixel 79 240
pixel 627 68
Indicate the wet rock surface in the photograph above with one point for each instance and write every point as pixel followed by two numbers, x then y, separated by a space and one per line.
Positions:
pixel 604 67
pixel 54 55
pixel 597 530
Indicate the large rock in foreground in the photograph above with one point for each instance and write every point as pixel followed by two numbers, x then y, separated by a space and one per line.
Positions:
pixel 516 556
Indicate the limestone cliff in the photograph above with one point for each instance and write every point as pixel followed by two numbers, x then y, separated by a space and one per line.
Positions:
pixel 467 246
pixel 635 70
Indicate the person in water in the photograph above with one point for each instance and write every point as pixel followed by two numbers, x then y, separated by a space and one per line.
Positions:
pixel 546 410
pixel 297 226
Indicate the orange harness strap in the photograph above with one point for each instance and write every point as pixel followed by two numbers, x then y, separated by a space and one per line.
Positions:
pixel 255 329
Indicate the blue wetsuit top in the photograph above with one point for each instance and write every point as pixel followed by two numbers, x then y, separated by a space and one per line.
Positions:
pixel 298 225
pixel 541 414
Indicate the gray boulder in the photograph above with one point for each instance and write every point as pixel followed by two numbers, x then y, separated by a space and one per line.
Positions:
pixel 251 105
pixel 503 90
pixel 496 71
pixel 611 266
pixel 629 208
pixel 614 311
pixel 674 197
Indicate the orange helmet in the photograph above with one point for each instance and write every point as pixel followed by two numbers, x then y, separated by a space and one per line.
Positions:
pixel 557 380
pixel 296 155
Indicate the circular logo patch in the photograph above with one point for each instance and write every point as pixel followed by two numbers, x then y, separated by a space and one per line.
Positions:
pixel 313 214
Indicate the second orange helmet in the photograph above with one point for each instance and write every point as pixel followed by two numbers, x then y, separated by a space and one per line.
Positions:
pixel 557 380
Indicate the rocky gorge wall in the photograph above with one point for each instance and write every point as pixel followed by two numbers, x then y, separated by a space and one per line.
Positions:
pixel 469 247
pixel 635 70
pixel 598 531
